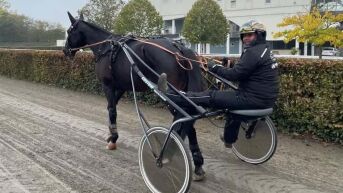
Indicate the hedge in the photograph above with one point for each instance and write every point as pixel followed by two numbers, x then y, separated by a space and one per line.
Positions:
pixel 310 100
pixel 51 67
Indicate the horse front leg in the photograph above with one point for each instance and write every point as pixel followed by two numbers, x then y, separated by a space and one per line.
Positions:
pixel 112 96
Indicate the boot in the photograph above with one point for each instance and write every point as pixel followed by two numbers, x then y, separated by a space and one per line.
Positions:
pixel 162 83
pixel 227 145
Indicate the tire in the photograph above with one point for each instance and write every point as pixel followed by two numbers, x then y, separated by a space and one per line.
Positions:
pixel 175 175
pixel 262 144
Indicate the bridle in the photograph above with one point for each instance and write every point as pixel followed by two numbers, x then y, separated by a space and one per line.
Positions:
pixel 69 50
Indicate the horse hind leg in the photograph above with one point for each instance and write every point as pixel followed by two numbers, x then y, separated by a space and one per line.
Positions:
pixel 198 160
pixel 112 126
pixel 187 129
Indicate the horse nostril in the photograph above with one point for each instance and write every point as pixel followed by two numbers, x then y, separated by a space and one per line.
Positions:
pixel 65 51
pixel 68 53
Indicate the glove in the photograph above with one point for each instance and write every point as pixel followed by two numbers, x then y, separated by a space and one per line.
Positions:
pixel 212 66
pixel 225 61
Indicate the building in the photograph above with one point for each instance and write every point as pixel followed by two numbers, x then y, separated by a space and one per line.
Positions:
pixel 269 12
pixel 60 43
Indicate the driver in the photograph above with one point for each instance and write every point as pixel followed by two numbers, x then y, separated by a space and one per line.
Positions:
pixel 256 73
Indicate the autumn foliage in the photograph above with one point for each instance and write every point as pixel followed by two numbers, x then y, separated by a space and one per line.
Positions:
pixel 313 27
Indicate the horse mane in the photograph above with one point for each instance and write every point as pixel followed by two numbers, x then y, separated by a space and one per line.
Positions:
pixel 98 28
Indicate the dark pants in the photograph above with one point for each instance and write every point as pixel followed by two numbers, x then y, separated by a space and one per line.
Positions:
pixel 231 100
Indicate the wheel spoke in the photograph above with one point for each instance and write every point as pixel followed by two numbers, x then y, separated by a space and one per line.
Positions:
pixel 261 145
pixel 175 173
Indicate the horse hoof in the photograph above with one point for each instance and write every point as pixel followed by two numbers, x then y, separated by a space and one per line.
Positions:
pixel 111 146
pixel 198 178
pixel 199 174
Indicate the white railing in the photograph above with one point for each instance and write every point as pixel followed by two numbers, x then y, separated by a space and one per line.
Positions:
pixel 278 56
pixel 231 55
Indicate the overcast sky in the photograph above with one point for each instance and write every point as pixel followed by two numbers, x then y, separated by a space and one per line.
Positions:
pixel 54 11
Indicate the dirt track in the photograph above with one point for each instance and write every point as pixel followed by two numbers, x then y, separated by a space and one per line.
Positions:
pixel 52 140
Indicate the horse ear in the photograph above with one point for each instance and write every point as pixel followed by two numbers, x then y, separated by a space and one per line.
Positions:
pixel 81 15
pixel 72 19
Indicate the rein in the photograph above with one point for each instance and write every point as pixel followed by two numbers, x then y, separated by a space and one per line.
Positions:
pixel 176 54
pixel 90 45
pixel 202 59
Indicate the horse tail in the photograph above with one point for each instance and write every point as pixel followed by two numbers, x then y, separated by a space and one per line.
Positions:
pixel 196 82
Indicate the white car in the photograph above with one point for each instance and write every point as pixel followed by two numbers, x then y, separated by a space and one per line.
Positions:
pixel 330 51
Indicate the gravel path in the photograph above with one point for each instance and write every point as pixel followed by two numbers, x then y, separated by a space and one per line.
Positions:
pixel 52 140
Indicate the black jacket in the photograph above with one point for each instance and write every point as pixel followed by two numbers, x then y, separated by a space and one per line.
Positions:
pixel 257 74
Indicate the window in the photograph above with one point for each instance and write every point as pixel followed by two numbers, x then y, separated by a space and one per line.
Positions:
pixel 233 3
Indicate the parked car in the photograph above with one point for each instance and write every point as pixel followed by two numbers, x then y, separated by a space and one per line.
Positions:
pixel 330 51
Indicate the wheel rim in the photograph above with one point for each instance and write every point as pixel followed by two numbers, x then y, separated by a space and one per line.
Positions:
pixel 260 147
pixel 175 174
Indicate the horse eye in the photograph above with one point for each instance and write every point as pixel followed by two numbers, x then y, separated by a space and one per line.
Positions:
pixel 70 29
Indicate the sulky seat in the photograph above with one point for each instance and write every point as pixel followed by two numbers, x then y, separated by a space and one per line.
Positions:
pixel 253 112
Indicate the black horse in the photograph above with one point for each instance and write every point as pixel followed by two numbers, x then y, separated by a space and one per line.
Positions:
pixel 113 70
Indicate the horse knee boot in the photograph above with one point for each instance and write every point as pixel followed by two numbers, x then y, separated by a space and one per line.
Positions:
pixel 197 155
pixel 112 139
pixel 113 135
pixel 199 173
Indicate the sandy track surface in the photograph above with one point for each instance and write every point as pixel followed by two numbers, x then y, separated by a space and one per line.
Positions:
pixel 52 140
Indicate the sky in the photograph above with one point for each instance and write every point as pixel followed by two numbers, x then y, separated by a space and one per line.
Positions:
pixel 52 11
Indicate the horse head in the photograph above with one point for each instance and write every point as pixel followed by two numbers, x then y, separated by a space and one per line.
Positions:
pixel 75 37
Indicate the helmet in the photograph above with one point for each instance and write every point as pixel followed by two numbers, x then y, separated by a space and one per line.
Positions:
pixel 252 26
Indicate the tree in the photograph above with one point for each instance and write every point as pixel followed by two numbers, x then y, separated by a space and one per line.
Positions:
pixel 102 12
pixel 206 23
pixel 13 27
pixel 4 5
pixel 313 27
pixel 20 28
pixel 140 18
pixel 41 31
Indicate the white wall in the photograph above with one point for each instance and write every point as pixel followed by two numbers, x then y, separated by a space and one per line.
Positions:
pixel 173 9
pixel 60 43
pixel 268 13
